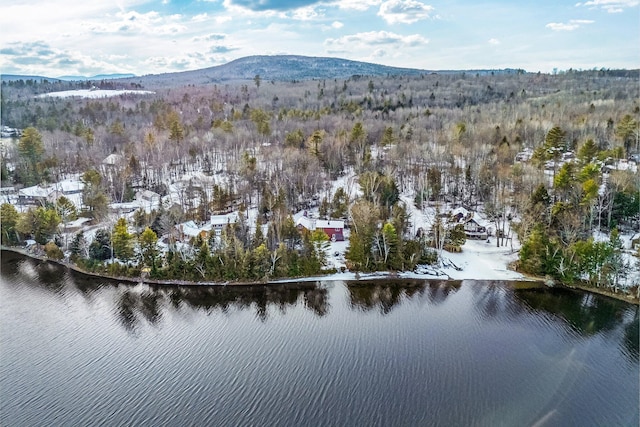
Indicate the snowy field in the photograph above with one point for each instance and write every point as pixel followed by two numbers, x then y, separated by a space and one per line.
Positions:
pixel 93 93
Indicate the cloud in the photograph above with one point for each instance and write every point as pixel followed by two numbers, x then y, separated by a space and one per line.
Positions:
pixel 221 49
pixel 274 5
pixel 337 25
pixel 404 11
pixel 494 41
pixel 40 58
pixel 200 18
pixel 573 24
pixel 306 14
pixel 372 39
pixel 209 37
pixel 140 23
pixel 359 5
pixel 611 6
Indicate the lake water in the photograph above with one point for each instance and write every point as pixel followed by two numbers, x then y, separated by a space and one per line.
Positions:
pixel 77 351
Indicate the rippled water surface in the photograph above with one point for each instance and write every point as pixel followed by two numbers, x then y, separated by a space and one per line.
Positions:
pixel 78 351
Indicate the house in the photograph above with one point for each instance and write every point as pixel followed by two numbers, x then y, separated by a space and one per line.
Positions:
pixel 476 227
pixel 38 195
pixel 334 229
pixel 148 200
pixel 41 194
pixel 113 160
pixel 69 187
pixel 188 230
pixel 219 222
pixel 459 214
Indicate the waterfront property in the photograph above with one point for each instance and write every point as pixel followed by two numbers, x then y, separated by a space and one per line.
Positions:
pixel 334 229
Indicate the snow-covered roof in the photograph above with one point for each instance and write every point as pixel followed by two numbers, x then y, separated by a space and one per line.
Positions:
pixel 230 218
pixel 147 195
pixel 69 186
pixel 299 214
pixel 332 223
pixel 113 159
pixel 37 191
pixel 191 229
pixel 478 219
pixel 460 211
pixel 306 222
pixel 312 224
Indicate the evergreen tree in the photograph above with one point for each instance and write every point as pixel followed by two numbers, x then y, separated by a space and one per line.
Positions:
pixel 31 150
pixel 122 240
pixel 100 248
pixel 9 218
pixel 79 247
pixel 148 247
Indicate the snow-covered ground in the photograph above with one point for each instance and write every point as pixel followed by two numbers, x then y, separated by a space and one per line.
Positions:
pixel 478 260
pixel 93 93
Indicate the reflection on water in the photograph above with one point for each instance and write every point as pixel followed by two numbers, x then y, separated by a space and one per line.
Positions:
pixel 587 314
pixel 135 304
pixel 78 350
pixel 384 295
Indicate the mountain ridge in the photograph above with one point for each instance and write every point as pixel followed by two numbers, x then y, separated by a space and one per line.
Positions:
pixel 268 67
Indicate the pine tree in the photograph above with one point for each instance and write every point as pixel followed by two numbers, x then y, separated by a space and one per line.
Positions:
pixel 122 241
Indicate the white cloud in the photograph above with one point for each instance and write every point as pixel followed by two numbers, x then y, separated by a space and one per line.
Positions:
pixel 494 41
pixel 307 13
pixel 337 25
pixel 573 24
pixel 404 11
pixel 370 39
pixel 611 6
pixel 200 18
pixel 359 5
pixel 139 23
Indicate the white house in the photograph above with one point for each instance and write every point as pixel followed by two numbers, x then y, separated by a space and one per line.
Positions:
pixel 219 222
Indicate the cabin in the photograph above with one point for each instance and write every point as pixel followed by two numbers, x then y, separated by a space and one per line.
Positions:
pixel 334 229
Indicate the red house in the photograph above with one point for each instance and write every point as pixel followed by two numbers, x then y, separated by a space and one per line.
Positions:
pixel 334 229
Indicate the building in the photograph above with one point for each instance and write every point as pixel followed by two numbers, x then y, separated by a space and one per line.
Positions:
pixel 219 222
pixel 334 229
pixel 38 195
pixel 475 227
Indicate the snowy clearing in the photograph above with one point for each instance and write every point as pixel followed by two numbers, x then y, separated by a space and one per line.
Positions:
pixel 93 93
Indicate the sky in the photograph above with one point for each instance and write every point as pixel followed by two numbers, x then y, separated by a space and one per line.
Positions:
pixel 79 37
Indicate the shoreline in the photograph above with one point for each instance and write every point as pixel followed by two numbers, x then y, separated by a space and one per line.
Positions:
pixel 347 277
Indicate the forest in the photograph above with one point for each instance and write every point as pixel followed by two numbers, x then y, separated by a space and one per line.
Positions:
pixel 554 156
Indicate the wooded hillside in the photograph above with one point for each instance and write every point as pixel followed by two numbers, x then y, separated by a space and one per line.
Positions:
pixel 450 138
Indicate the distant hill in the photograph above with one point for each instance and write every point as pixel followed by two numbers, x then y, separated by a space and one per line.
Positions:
pixel 97 77
pixel 275 67
pixel 279 68
pixel 16 77
pixel 290 67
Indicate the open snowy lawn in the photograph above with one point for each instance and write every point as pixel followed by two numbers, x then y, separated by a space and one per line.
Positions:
pixel 88 93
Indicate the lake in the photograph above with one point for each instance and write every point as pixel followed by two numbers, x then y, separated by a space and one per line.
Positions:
pixel 83 351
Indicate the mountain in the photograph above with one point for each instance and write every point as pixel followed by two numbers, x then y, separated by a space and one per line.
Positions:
pixel 277 67
pixel 16 77
pixel 97 77
pixel 290 67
